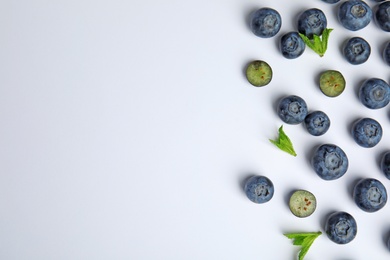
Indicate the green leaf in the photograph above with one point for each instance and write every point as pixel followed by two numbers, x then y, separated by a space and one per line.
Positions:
pixel 319 44
pixel 305 240
pixel 284 143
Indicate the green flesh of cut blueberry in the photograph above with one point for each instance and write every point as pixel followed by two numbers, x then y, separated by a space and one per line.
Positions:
pixel 332 83
pixel 302 203
pixel 259 73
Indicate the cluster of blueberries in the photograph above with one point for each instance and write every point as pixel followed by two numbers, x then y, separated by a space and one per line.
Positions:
pixel 352 14
pixel 329 161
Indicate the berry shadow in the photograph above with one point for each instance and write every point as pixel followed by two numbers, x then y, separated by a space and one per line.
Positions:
pixel 386 237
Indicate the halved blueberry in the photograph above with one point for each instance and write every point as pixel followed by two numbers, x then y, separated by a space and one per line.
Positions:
pixel 317 123
pixel 374 93
pixel 367 132
pixel 341 227
pixel 291 45
pixel 354 14
pixel 370 195
pixel 259 189
pixel 357 50
pixel 312 21
pixel 265 22
pixel 292 109
pixel 329 162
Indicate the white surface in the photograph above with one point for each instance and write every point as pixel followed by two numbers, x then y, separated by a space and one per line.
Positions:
pixel 128 130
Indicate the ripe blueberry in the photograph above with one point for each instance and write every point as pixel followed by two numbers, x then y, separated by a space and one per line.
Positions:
pixel 292 109
pixel 370 195
pixel 385 164
pixel 265 22
pixel 312 21
pixel 341 227
pixel 329 162
pixel 317 123
pixel 357 50
pixel 354 14
pixel 374 93
pixel 367 132
pixel 382 16
pixel 291 45
pixel 259 189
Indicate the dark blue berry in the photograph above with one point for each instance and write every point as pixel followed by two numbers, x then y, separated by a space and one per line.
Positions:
pixel 367 132
pixel 386 53
pixel 291 45
pixel 341 227
pixel 259 189
pixel 385 164
pixel 374 93
pixel 331 1
pixel 370 195
pixel 354 14
pixel 357 50
pixel 329 162
pixel 312 21
pixel 265 22
pixel 382 16
pixel 317 123
pixel 292 110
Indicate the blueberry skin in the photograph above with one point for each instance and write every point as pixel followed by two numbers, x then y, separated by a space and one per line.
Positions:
pixel 259 189
pixel 292 110
pixel 386 53
pixel 312 21
pixel 331 1
pixel 356 50
pixel 367 132
pixel 265 22
pixel 374 93
pixel 382 16
pixel 354 14
pixel 385 164
pixel 370 195
pixel 317 123
pixel 329 162
pixel 341 227
pixel 291 45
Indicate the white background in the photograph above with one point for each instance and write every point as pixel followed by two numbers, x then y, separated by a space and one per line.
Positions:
pixel 128 129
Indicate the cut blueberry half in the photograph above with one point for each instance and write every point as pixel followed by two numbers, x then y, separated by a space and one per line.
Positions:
pixel 292 109
pixel 259 189
pixel 302 203
pixel 370 195
pixel 332 83
pixel 374 93
pixel 341 227
pixel 367 132
pixel 317 123
pixel 329 162
pixel 259 73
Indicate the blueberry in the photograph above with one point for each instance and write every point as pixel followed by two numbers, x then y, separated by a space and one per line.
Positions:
pixel 367 132
pixel 374 93
pixel 341 227
pixel 370 195
pixel 292 110
pixel 329 162
pixel 385 164
pixel 331 1
pixel 382 16
pixel 291 45
pixel 357 50
pixel 354 14
pixel 259 189
pixel 386 53
pixel 265 22
pixel 312 21
pixel 317 123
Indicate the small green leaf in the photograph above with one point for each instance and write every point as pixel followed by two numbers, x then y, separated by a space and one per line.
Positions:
pixel 284 143
pixel 305 240
pixel 319 44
